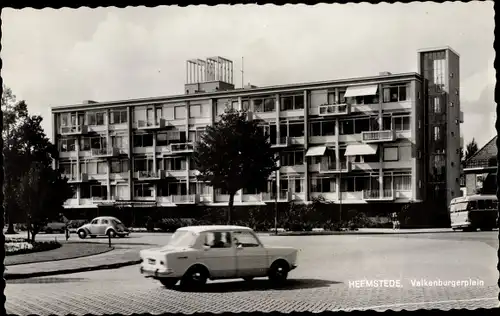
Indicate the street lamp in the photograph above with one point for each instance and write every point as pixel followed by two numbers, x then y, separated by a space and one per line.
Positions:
pixel 275 204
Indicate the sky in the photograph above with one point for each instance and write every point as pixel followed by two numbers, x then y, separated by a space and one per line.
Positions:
pixel 57 57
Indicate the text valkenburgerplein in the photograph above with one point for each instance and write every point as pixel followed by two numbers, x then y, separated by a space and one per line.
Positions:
pixel 415 283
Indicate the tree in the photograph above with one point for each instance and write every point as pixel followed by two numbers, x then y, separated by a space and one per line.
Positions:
pixel 14 114
pixel 471 149
pixel 2 210
pixel 41 190
pixel 233 154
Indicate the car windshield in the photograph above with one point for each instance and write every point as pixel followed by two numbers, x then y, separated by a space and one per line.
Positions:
pixel 182 238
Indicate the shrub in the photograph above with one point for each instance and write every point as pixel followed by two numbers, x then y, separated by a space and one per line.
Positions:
pixel 18 246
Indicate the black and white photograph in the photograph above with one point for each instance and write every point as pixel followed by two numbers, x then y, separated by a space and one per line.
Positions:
pixel 249 158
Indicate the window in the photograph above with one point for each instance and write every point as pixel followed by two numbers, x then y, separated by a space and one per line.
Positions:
pixel 292 158
pixel 437 133
pixel 361 125
pixel 118 116
pixel 195 111
pixel 176 163
pixel 119 141
pixel 402 182
pixel 346 127
pixel 391 154
pixel 94 222
pixel 143 140
pixel 245 105
pixel 323 185
pixel 218 239
pixel 234 105
pixel 396 93
pixel 292 102
pixel 264 104
pixel 143 190
pixel 245 240
pixel 67 144
pixel 102 167
pixel 104 222
pixel 331 98
pixel 402 123
pixel 296 129
pixel 437 105
pixel 100 191
pixel 180 112
pixel 119 166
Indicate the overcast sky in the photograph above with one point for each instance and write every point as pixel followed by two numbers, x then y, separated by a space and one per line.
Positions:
pixel 56 57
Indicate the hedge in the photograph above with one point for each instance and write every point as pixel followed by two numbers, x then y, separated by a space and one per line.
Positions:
pixel 19 246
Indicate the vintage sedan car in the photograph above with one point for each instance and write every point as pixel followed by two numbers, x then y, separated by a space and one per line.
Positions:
pixel 196 254
pixel 103 226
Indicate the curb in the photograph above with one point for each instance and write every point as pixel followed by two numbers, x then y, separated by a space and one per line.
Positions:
pixel 354 233
pixel 17 276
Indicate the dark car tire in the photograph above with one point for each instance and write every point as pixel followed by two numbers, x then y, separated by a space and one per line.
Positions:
pixel 278 272
pixel 111 233
pixel 168 283
pixel 82 234
pixel 194 278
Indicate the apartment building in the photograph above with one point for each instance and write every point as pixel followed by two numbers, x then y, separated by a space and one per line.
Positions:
pixel 372 143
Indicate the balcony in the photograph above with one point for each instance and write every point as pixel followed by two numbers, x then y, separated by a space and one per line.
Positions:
pixel 334 109
pixel 181 148
pixel 184 199
pixel 151 124
pixel 378 136
pixel 74 178
pixel 149 175
pixel 374 195
pixel 74 130
pixel 104 152
pixel 281 142
pixel 335 167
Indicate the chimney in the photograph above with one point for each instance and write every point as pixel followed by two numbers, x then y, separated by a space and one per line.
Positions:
pixel 89 102
pixel 384 73
pixel 249 86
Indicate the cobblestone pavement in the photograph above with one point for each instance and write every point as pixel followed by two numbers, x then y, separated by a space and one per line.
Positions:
pixel 328 265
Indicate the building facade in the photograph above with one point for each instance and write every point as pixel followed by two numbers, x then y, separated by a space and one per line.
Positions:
pixel 372 143
pixel 480 170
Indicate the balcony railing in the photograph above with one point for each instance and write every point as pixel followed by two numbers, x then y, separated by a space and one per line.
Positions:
pixel 281 142
pixel 182 148
pixel 335 167
pixel 283 196
pixel 334 109
pixel 151 124
pixel 104 152
pixel 150 175
pixel 74 130
pixel 183 199
pixel 377 195
pixel 378 136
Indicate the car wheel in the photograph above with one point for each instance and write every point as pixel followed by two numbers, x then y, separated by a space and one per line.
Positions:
pixel 169 283
pixel 279 271
pixel 194 278
pixel 82 234
pixel 111 233
pixel 248 279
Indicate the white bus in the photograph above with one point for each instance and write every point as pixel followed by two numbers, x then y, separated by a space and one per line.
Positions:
pixel 473 212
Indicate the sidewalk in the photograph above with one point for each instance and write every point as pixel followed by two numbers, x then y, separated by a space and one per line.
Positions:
pixel 367 231
pixel 119 257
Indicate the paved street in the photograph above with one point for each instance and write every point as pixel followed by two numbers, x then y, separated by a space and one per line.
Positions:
pixel 327 264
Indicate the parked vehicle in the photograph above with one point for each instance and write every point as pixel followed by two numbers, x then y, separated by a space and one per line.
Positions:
pixel 473 212
pixel 103 226
pixel 196 254
pixel 57 226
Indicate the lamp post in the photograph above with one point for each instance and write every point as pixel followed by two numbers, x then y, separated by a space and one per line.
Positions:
pixel 275 205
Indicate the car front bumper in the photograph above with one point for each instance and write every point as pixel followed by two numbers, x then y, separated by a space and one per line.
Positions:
pixel 155 273
pixel 293 266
